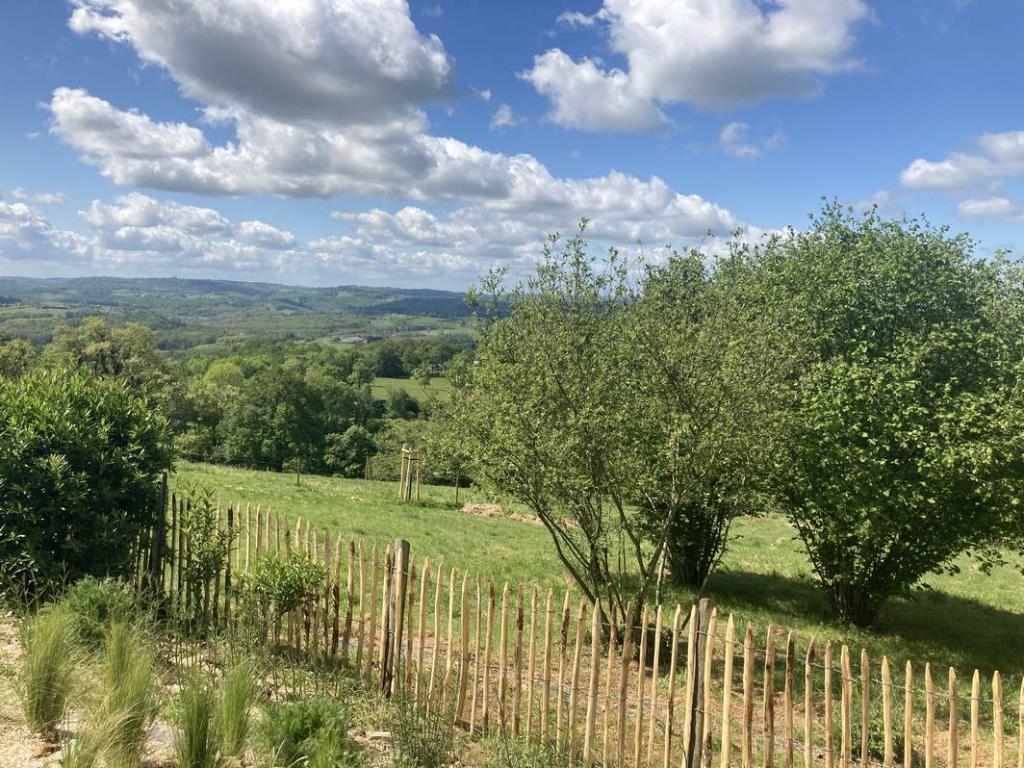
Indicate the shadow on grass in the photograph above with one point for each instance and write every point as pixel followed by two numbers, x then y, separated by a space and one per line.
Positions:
pixel 925 625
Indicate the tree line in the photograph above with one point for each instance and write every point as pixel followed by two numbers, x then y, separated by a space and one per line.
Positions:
pixel 862 377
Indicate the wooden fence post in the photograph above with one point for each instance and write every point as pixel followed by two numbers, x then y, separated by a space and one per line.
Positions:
pixel 695 693
pixel 395 618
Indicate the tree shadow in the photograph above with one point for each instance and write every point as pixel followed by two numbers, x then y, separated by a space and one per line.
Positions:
pixel 923 626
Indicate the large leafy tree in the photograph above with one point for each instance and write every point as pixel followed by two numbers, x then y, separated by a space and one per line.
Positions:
pixel 710 363
pixel 900 444
pixel 80 457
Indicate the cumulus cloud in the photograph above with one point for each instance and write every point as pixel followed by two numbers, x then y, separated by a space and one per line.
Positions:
pixel 735 140
pixel 341 113
pixel 40 198
pixel 708 53
pixel 999 156
pixel 997 207
pixel 334 61
pixel 504 117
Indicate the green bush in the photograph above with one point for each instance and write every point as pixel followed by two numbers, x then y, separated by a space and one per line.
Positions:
pixel 46 670
pixel 277 585
pixel 79 461
pixel 93 605
pixel 312 731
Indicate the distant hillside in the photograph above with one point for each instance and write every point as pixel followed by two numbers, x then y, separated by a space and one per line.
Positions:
pixel 186 313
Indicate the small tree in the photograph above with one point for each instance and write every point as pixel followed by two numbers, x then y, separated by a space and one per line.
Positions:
pixel 79 462
pixel 901 440
pixel 549 410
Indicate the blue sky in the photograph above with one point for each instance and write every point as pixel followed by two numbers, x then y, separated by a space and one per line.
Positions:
pixel 418 144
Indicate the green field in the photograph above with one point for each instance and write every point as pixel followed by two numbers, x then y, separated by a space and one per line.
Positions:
pixel 383 386
pixel 967 620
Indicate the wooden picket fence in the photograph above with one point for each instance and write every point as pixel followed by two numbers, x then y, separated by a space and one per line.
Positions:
pixel 670 687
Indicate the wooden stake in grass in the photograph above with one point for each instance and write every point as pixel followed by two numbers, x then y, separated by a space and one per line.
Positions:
pixel 476 656
pixel 641 679
pixel 908 717
pixel 362 606
pixel 609 667
pixel 809 706
pixel 787 699
pixel 487 656
pixel 845 708
pixel 887 712
pixel 627 647
pixel 371 641
pixel 572 725
pixel 437 630
pixel 595 668
pixel 709 662
pixel 865 706
pixel 450 639
pixel 502 654
pixel 422 628
pixel 997 720
pixel 563 641
pixel 517 685
pixel 830 746
pixel 729 650
pixel 975 716
pixel 670 706
pixel 463 647
pixel 769 699
pixel 929 718
pixel 689 692
pixel 655 665
pixel 545 691
pixel 953 740
pixel 747 734
pixel 530 667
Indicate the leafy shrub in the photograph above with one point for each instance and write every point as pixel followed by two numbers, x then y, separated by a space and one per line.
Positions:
pixel 276 586
pixel 424 736
pixel 46 670
pixel 79 460
pixel 94 605
pixel 313 730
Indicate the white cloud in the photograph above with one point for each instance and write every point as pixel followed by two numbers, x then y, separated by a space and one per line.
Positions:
pixel 333 61
pixel 341 115
pixel 504 117
pixel 709 53
pixel 998 207
pixel 735 140
pixel 577 19
pixel 40 198
pixel 1000 156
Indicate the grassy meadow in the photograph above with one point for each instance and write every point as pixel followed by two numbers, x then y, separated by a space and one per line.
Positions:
pixel 383 386
pixel 966 620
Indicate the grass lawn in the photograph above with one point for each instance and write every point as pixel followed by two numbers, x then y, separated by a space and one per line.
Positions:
pixel 383 386
pixel 967 620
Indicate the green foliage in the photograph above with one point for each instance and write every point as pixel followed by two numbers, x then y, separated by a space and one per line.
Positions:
pixel 239 690
pixel 196 737
pixel 596 396
pixel 129 688
pixel 79 463
pixel 93 605
pixel 313 730
pixel 424 736
pixel 276 586
pixel 45 673
pixel 516 753
pixel 346 453
pixel 900 441
pixel 207 545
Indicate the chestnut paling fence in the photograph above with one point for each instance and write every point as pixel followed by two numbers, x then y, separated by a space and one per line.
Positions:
pixel 668 687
